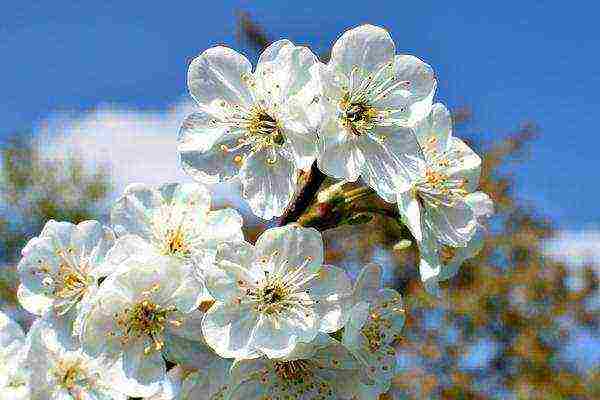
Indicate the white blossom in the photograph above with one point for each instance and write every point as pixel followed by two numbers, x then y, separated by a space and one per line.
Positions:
pixel 59 269
pixel 375 323
pixel 58 373
pixel 371 97
pixel 14 376
pixel 273 295
pixel 134 321
pixel 254 125
pixel 210 383
pixel 323 369
pixel 174 220
pixel 439 204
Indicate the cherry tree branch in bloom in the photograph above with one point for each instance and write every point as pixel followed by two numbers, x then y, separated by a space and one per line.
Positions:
pixel 305 196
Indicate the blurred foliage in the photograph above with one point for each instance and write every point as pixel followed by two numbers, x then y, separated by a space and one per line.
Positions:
pixel 511 300
pixel 34 190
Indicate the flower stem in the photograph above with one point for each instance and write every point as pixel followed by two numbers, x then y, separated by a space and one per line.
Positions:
pixel 304 197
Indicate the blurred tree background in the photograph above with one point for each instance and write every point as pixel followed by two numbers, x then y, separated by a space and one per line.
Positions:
pixel 498 332
pixel 34 190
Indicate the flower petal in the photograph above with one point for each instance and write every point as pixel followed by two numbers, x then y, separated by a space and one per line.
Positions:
pixel 435 131
pixel 462 254
pixel 409 208
pixel 291 246
pixel 268 186
pixel 229 330
pixel 276 335
pixel 367 47
pixel 332 289
pixel 189 198
pixel 92 241
pixel 126 247
pixel 451 223
pixel 481 204
pixel 368 283
pixel 419 74
pixel 216 74
pixel 142 374
pixel 185 345
pixel 467 164
pixel 284 69
pixel 222 226
pixel 132 212
pixel 232 273
pixel 208 148
pixel 388 157
pixel 337 153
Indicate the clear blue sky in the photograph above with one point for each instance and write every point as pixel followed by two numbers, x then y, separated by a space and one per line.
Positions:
pixel 511 61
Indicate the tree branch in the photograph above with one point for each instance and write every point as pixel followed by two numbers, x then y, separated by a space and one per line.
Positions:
pixel 304 197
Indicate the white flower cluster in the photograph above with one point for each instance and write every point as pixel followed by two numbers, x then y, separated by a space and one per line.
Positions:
pixel 171 302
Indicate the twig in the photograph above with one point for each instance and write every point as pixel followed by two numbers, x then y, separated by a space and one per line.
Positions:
pixel 304 197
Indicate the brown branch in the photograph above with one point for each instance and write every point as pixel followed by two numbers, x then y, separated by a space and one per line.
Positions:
pixel 250 32
pixel 304 198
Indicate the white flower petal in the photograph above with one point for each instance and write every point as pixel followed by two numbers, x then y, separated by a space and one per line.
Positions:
pixel 337 155
pixel 276 336
pixel 468 164
pixel 185 345
pixel 10 332
pixel 451 223
pixel 132 212
pixel 367 47
pixel 206 148
pixel 92 241
pixel 418 73
pixel 388 157
pixel 232 272
pixel 284 69
pixel 60 232
pixel 291 246
pixel 189 198
pixel 302 137
pixel 333 291
pixel 481 204
pixel 430 266
pixel 229 330
pixel 139 375
pixel 216 74
pixel 268 186
pixel 222 226
pixel 409 208
pixel 368 283
pixel 462 254
pixel 125 248
pixel 435 131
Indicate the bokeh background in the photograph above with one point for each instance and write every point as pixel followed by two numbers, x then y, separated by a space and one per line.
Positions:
pixel 92 94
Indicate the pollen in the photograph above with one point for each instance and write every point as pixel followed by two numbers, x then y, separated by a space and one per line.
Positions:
pixel 175 242
pixel 145 319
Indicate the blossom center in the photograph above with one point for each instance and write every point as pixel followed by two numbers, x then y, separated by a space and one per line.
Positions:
pixel 145 319
pixel 272 294
pixel 69 374
pixel 261 123
pixel 175 243
pixel 357 117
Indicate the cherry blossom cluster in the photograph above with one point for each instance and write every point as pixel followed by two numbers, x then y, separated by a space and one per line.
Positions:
pixel 171 302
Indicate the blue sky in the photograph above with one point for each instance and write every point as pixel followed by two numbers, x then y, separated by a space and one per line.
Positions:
pixel 510 61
